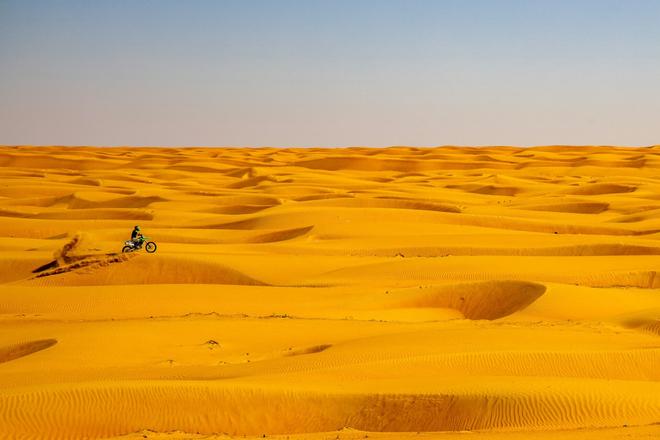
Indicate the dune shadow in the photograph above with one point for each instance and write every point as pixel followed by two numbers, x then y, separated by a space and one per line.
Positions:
pixel 17 351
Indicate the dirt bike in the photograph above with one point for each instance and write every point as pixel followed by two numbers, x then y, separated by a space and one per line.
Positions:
pixel 132 246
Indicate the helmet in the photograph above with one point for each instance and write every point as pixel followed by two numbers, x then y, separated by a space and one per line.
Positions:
pixel 137 228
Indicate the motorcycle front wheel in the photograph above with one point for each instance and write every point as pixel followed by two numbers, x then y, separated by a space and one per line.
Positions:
pixel 126 249
pixel 150 247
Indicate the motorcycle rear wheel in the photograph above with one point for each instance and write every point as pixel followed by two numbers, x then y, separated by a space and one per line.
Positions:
pixel 150 247
pixel 126 249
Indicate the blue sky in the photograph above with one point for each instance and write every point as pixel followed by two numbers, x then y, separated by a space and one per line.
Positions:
pixel 330 73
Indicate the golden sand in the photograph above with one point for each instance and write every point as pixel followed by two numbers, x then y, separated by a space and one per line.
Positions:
pixel 481 293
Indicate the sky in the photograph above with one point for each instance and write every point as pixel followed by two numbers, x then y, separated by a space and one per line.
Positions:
pixel 330 72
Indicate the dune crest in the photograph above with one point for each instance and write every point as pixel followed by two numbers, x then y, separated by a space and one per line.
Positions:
pixel 486 300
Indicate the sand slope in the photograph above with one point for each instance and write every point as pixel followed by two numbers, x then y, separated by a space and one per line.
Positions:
pixel 345 293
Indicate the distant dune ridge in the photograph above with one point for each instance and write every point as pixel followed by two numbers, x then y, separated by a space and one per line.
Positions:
pixel 330 293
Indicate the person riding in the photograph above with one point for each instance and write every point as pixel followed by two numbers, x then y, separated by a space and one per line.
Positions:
pixel 136 236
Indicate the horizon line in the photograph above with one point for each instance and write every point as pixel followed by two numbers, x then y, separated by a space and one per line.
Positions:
pixel 328 147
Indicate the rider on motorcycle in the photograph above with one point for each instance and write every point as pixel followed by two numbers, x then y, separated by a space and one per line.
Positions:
pixel 137 241
pixel 137 237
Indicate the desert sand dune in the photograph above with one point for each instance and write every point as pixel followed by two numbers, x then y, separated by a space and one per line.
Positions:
pixel 19 350
pixel 454 292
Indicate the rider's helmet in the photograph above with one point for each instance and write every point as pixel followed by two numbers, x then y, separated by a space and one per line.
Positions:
pixel 137 228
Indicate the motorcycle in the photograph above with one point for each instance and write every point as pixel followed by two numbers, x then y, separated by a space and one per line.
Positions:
pixel 132 246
